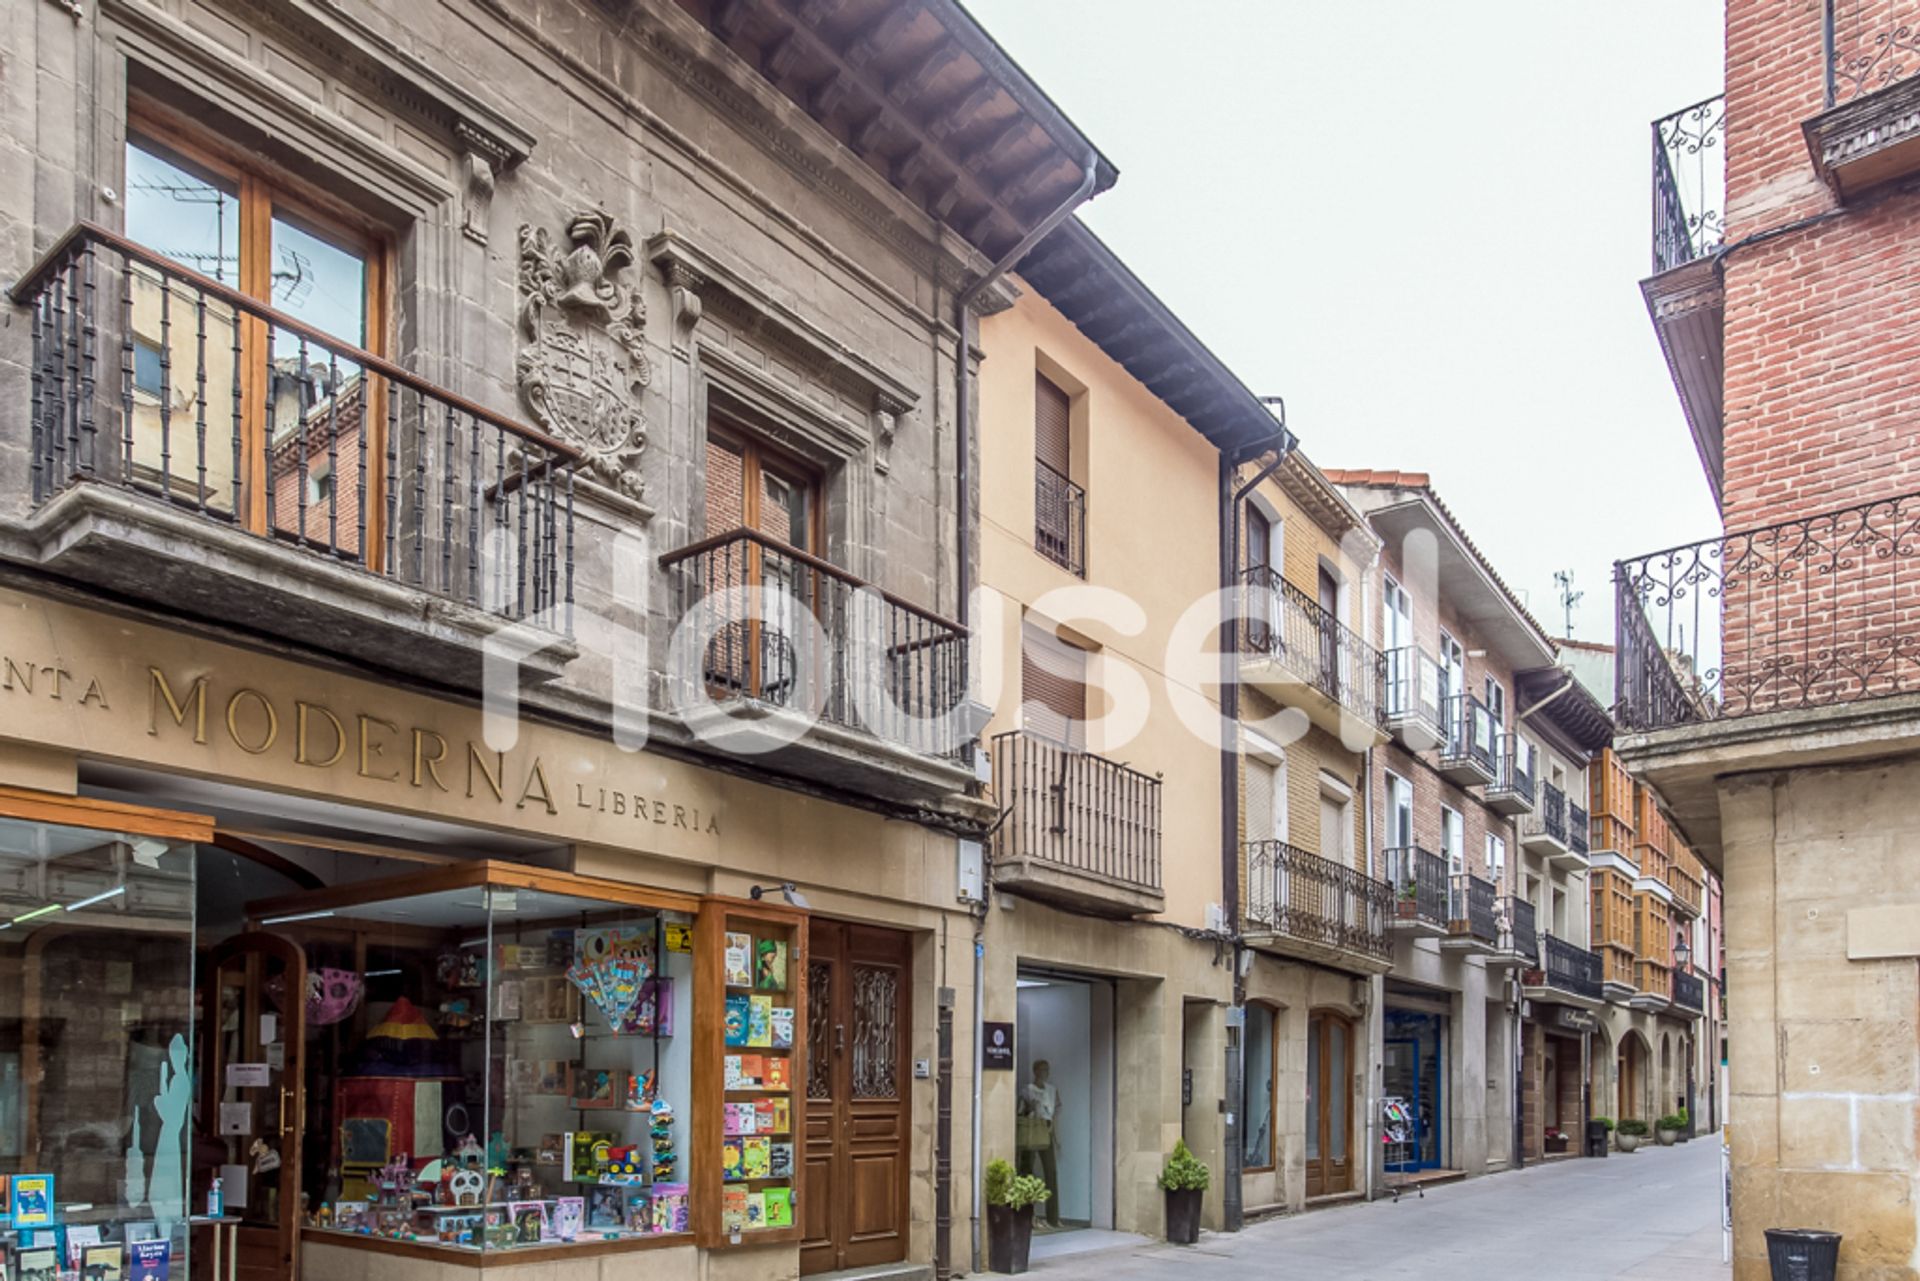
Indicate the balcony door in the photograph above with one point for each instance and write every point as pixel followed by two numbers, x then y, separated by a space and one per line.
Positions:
pixel 1397 635
pixel 1261 604
pixel 270 425
pixel 1329 1104
pixel 752 488
pixel 1329 597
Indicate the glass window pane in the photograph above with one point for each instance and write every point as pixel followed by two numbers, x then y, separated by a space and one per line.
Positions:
pixel 1313 1091
pixel 1336 1089
pixel 320 281
pixel 1257 1114
pixel 178 209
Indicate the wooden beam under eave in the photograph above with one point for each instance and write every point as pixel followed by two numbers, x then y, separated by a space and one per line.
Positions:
pixel 956 118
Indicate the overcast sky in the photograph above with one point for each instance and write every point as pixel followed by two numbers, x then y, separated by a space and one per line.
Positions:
pixel 1424 225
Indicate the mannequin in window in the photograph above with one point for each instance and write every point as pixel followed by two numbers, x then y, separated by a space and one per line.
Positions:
pixel 1034 1133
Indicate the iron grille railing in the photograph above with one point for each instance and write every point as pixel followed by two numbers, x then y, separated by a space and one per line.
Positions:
pixel 1417 879
pixel 1307 897
pixel 1873 46
pixel 1059 519
pixel 779 626
pixel 151 377
pixel 1413 686
pixel 1284 623
pixel 1689 183
pixel 1470 907
pixel 1577 837
pixel 1550 820
pixel 1076 810
pixel 1814 612
pixel 1513 772
pixel 1689 993
pixel 1570 968
pixel 1514 918
pixel 1469 733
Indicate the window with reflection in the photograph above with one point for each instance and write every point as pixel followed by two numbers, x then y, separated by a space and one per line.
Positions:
pixel 1256 1113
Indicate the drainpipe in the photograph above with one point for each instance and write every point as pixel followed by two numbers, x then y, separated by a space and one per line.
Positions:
pixel 1281 443
pixel 1375 1004
pixel 963 555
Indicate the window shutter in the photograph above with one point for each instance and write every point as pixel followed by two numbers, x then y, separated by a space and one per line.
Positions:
pixel 1054 696
pixel 1052 426
pixel 1260 791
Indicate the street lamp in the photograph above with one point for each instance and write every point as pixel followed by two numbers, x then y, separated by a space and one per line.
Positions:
pixel 1682 954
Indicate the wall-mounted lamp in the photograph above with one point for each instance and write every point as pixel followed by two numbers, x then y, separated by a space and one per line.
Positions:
pixel 788 890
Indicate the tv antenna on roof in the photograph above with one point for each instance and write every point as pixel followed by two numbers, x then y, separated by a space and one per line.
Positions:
pixel 1563 578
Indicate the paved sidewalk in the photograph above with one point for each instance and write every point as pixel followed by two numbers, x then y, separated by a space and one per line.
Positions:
pixel 1652 1216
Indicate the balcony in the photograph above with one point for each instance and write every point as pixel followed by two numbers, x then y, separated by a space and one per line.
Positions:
pixel 1413 698
pixel 1472 924
pixel 1653 984
pixel 1869 130
pixel 1511 791
pixel 1059 519
pixel 193 448
pixel 1688 892
pixel 783 657
pixel 1467 753
pixel 1577 840
pixel 1689 993
pixel 1517 941
pixel 1081 831
pixel 1567 975
pixel 1803 624
pixel 1684 294
pixel 1296 653
pixel 1417 880
pixel 1545 831
pixel 1302 905
pixel 1618 982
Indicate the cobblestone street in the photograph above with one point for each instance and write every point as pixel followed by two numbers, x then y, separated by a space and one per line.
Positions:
pixel 1652 1216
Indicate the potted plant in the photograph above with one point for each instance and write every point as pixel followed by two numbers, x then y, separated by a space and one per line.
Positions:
pixel 1010 1201
pixel 1685 1118
pixel 1184 1178
pixel 1408 905
pixel 1630 1134
pixel 1599 1135
pixel 1667 1130
pixel 1556 1141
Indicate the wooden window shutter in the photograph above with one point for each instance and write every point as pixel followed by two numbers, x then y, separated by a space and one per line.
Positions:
pixel 1260 791
pixel 726 488
pixel 1053 697
pixel 1259 539
pixel 1052 425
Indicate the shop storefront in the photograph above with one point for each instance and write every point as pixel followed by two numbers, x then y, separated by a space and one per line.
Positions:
pixel 1414 1089
pixel 301 969
pixel 1063 1113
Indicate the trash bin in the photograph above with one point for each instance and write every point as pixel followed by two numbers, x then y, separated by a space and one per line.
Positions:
pixel 1802 1254
pixel 1597 1144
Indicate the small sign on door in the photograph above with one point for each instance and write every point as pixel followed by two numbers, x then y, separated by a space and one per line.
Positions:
pixel 249 1074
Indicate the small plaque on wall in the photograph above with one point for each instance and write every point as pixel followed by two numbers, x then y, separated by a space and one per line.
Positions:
pixel 996 1047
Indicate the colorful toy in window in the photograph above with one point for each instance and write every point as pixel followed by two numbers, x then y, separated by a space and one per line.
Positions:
pixel 612 983
pixel 652 1014
pixel 661 1130
pixel 625 1165
pixel 640 1091
pixel 569 1216
pixel 770 966
pixel 599 1088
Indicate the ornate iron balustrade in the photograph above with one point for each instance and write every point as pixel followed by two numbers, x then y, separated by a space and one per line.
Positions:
pixel 1813 612
pixel 1551 817
pixel 159 380
pixel 1307 897
pixel 1469 731
pixel 1470 907
pixel 1059 519
pixel 1417 880
pixel 1514 917
pixel 784 628
pixel 1874 48
pixel 1413 687
pixel 1570 968
pixel 1076 810
pixel 1689 183
pixel 1287 625
pixel 1577 836
pixel 1689 993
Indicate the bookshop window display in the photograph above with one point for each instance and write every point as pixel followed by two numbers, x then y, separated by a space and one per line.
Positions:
pixel 96 1029
pixel 500 1059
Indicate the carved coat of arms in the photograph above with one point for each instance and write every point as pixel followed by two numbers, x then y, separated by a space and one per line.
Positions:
pixel 583 366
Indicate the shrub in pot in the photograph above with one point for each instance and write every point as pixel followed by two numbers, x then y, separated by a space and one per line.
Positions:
pixel 1685 1118
pixel 1010 1201
pixel 1630 1134
pixel 1667 1130
pixel 1184 1179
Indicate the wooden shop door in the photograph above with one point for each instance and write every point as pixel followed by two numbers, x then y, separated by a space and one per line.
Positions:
pixel 255 999
pixel 1329 1104
pixel 859 1026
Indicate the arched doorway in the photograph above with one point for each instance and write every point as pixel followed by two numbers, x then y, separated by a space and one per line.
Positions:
pixel 1631 1076
pixel 1599 1074
pixel 1330 1055
pixel 1664 1100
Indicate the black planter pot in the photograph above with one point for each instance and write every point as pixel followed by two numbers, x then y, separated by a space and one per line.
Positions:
pixel 1598 1137
pixel 1183 1216
pixel 1009 1237
pixel 1802 1254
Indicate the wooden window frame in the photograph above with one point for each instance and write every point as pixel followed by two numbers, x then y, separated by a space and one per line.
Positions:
pixel 265 190
pixel 755 452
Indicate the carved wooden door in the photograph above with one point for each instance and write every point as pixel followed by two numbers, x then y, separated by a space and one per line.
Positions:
pixel 860 1024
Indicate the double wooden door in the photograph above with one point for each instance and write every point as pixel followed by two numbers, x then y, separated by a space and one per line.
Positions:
pixel 1329 1104
pixel 858 1139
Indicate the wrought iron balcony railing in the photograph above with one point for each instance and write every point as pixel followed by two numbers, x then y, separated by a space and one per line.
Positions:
pixel 786 629
pixel 1059 519
pixel 1551 818
pixel 1413 687
pixel 1284 623
pixel 1417 879
pixel 156 379
pixel 1814 612
pixel 1075 810
pixel 1577 835
pixel 1569 968
pixel 1470 907
pixel 1689 183
pixel 1514 919
pixel 1512 769
pixel 1469 732
pixel 1314 899
pixel 1874 46
pixel 1689 993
